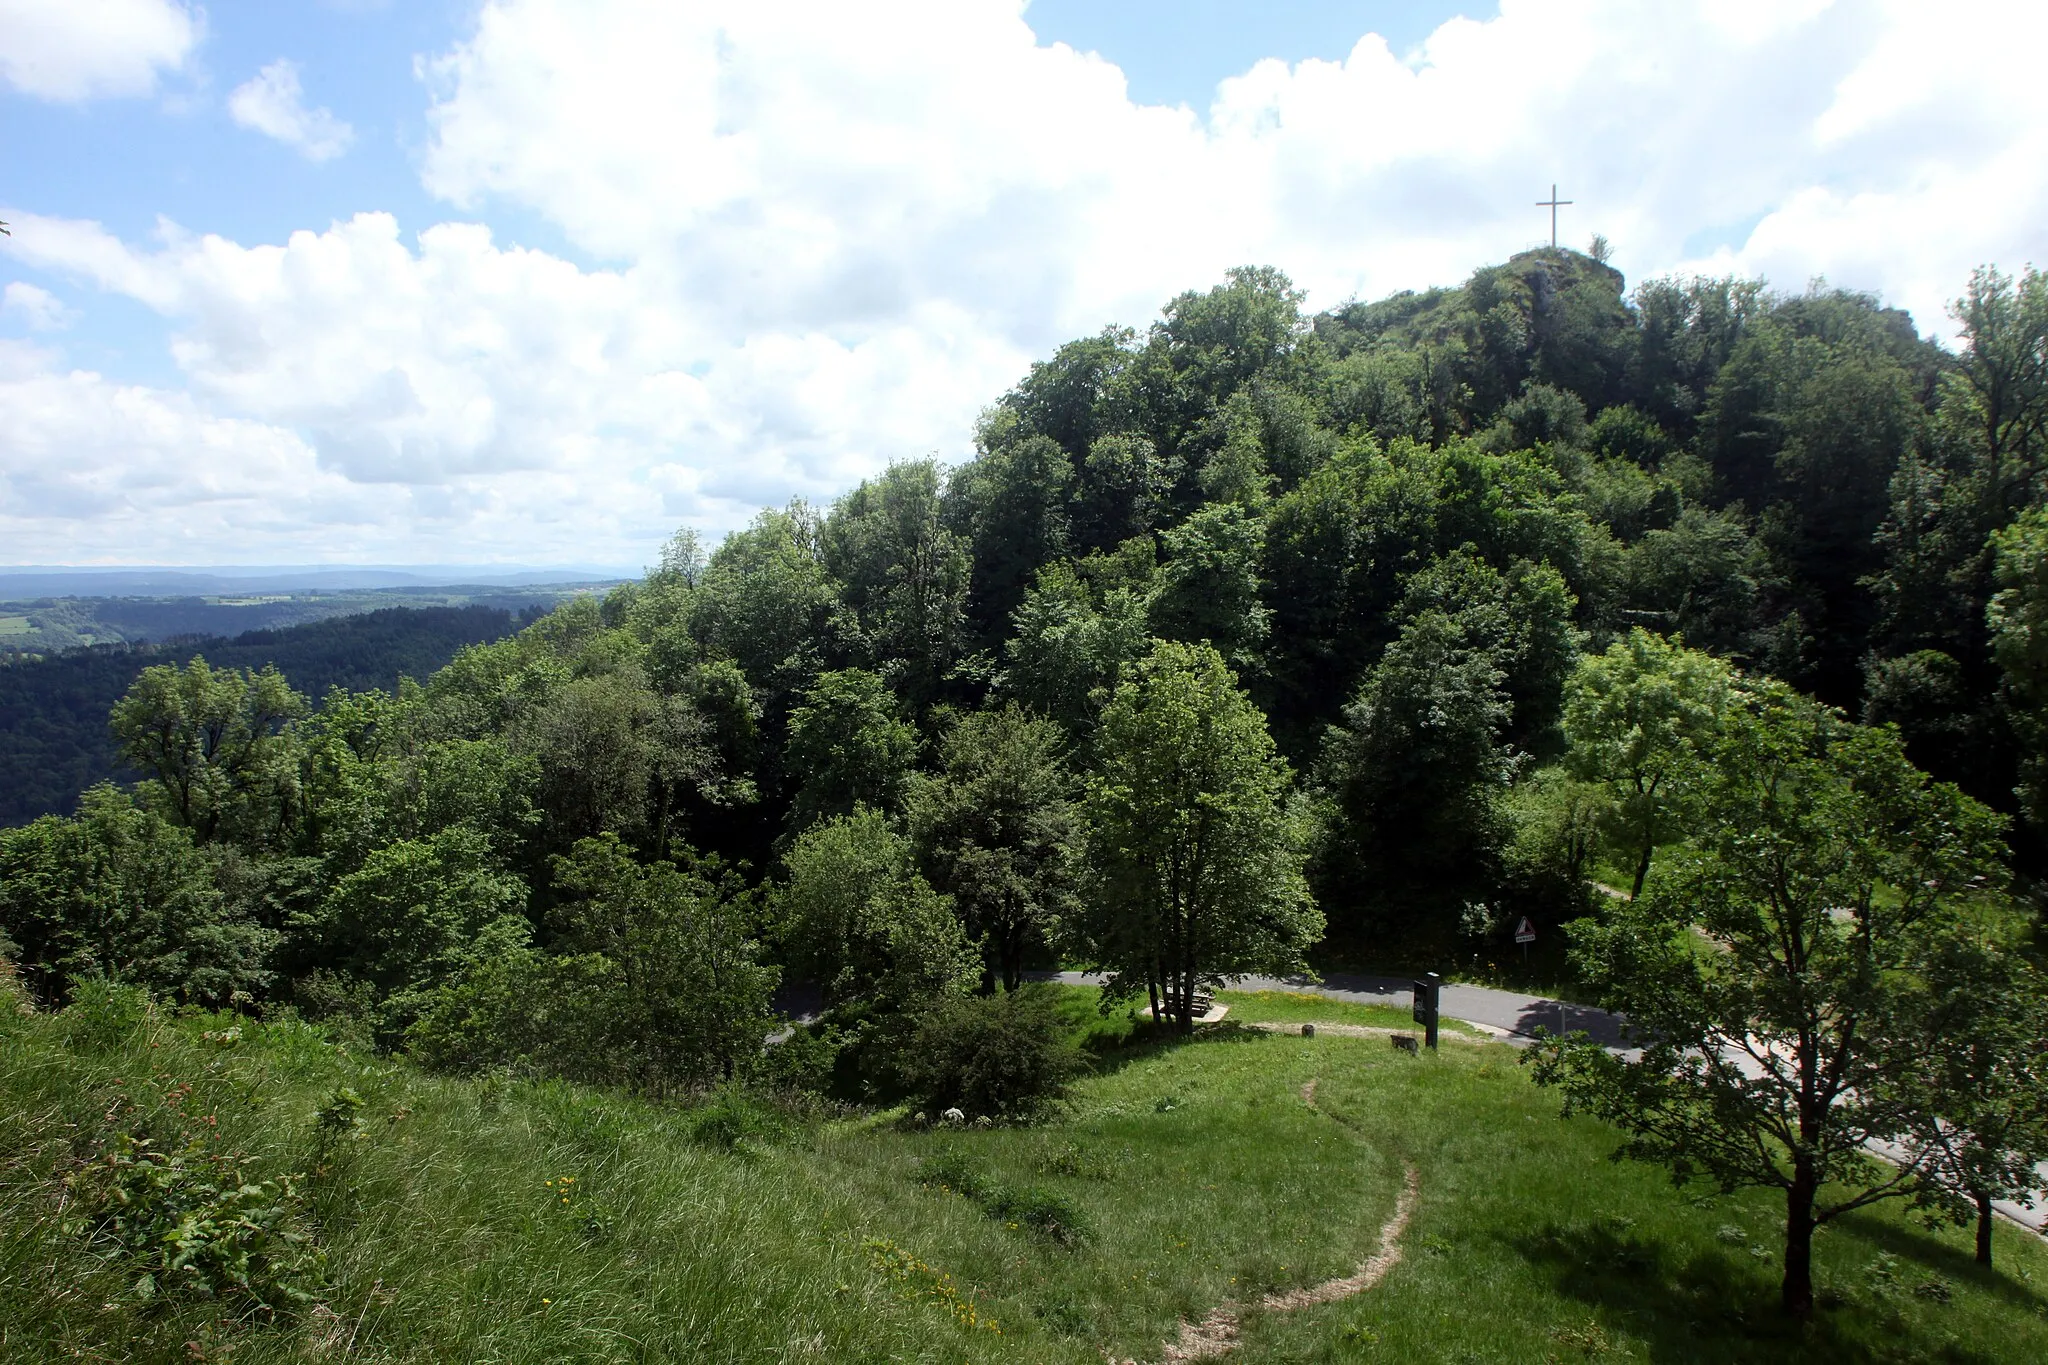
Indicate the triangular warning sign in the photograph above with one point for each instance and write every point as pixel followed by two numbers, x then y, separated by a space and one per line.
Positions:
pixel 1525 932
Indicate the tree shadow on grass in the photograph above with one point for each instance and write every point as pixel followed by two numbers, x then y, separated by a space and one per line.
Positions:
pixel 1709 1306
pixel 1108 1055
pixel 1947 1260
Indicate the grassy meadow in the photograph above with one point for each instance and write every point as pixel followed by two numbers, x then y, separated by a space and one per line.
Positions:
pixel 512 1221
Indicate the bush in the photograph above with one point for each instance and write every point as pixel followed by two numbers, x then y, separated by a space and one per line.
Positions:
pixel 195 1224
pixel 1005 1056
pixel 733 1118
pixel 102 1014
pixel 802 1063
pixel 14 997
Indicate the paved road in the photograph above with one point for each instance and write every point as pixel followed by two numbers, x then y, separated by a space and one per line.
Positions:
pixel 1517 1015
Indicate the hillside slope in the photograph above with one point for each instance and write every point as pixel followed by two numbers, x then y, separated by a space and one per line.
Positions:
pixel 515 1221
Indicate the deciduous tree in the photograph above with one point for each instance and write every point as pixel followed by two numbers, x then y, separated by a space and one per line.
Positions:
pixel 210 739
pixel 1765 976
pixel 1195 848
pixel 998 830
pixel 1638 719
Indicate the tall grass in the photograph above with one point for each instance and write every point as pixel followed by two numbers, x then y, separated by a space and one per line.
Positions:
pixel 513 1221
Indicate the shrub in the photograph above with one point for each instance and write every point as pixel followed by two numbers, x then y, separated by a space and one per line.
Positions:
pixel 102 1014
pixel 14 997
pixel 801 1063
pixel 118 891
pixel 658 986
pixel 1005 1056
pixel 732 1118
pixel 193 1223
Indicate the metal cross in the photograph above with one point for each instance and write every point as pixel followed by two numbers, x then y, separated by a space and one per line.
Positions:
pixel 1552 203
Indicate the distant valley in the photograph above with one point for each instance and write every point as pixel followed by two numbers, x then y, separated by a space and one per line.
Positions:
pixel 54 740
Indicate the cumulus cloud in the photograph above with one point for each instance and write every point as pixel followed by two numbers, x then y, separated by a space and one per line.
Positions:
pixel 818 161
pixel 37 309
pixel 819 236
pixel 534 408
pixel 87 49
pixel 272 103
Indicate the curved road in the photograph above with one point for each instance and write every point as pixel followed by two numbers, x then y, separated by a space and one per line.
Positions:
pixel 1518 1016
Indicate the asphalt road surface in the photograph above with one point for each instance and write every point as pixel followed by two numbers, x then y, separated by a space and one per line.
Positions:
pixel 1519 1016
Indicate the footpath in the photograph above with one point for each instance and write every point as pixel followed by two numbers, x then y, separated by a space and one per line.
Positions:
pixel 1514 1017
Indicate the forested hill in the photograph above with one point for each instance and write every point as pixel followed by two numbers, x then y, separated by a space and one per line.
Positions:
pixel 54 740
pixel 1256 642
pixel 1445 606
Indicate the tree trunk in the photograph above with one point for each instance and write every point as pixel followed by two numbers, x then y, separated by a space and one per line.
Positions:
pixel 1642 870
pixel 1984 1229
pixel 1152 989
pixel 1797 1291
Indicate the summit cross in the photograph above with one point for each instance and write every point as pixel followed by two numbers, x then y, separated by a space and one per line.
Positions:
pixel 1552 203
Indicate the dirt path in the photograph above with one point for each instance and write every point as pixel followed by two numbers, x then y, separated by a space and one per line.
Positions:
pixel 1217 1334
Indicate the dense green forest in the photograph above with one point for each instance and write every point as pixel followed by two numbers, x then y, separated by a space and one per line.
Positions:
pixel 1388 549
pixel 1703 618
pixel 54 741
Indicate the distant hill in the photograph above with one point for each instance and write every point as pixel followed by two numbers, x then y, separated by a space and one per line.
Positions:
pixel 53 711
pixel 57 622
pixel 151 581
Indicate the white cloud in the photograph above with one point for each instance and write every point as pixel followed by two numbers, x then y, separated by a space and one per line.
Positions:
pixel 504 402
pixel 830 234
pixel 85 49
pixel 272 103
pixel 831 162
pixel 38 309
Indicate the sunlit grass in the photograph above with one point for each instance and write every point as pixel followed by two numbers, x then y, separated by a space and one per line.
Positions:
pixel 517 1222
pixel 1302 1007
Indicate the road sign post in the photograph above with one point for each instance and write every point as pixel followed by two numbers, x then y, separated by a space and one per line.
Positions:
pixel 1525 934
pixel 1427 990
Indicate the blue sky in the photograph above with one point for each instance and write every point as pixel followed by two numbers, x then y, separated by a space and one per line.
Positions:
pixel 539 280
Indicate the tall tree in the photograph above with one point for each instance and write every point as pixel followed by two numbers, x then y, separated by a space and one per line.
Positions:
pixel 2004 378
pixel 1819 864
pixel 1972 1076
pixel 1209 588
pixel 998 830
pixel 1010 507
pixel 767 601
pixel 1195 851
pixel 848 747
pixel 1075 636
pixel 2018 619
pixel 905 575
pixel 210 741
pixel 1417 772
pixel 1638 720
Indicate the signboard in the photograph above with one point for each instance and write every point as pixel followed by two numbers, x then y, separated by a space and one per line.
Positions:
pixel 1425 1014
pixel 1525 932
